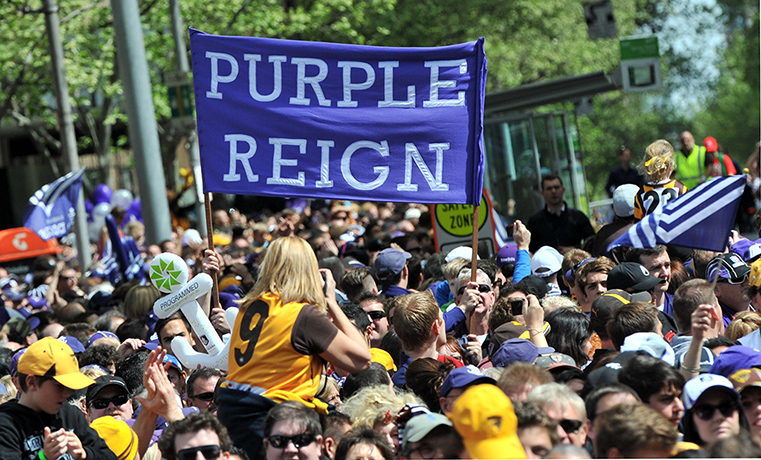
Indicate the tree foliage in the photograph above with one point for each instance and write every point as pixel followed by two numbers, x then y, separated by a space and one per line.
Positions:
pixel 526 41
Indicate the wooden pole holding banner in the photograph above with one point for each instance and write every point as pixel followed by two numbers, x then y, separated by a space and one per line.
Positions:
pixel 210 243
pixel 473 261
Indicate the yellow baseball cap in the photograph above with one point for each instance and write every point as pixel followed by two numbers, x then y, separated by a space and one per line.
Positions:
pixel 485 419
pixel 119 437
pixel 50 357
pixel 381 356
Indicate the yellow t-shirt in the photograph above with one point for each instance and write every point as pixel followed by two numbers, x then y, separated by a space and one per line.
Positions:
pixel 274 349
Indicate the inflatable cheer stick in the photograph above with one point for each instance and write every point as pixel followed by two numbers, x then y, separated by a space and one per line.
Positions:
pixel 169 273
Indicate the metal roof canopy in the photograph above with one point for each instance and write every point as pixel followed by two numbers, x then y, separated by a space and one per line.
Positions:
pixel 549 92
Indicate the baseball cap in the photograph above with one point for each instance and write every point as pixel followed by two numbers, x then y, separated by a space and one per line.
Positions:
pixel 623 200
pixel 604 306
pixel 100 335
pixel 728 266
pixel 382 357
pixel 119 437
pixel 173 361
pixel 485 418
pixel 755 273
pixel 554 361
pixel 18 329
pixel 412 213
pixel 50 357
pixel 741 247
pixel 745 378
pixel 73 342
pixel 460 252
pixel 14 361
pixel 421 425
pixel 390 262
pixel 652 344
pixel 545 262
pixel 462 377
pixel 710 144
pixel 631 275
pixel 694 388
pixel 735 358
pixel 507 254
pixel 752 253
pixel 607 373
pixel 105 381
pixel 513 350
pixel 536 285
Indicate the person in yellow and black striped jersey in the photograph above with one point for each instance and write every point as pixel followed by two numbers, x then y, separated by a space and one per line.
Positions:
pixel 658 166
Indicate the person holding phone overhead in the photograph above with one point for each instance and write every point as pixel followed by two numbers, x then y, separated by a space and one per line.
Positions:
pixel 281 340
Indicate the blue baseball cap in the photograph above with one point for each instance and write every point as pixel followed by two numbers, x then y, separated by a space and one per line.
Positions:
pixel 464 377
pixel 518 350
pixel 390 262
pixel 100 335
pixel 735 358
pixel 73 342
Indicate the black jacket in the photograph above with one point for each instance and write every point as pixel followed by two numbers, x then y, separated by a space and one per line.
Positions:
pixel 21 432
pixel 568 229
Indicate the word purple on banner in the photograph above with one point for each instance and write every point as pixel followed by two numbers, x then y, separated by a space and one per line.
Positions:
pixel 326 120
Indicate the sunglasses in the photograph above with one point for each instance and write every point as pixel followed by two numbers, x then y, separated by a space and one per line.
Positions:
pixel 299 440
pixel 208 396
pixel 707 411
pixel 481 288
pixel 210 452
pixel 376 315
pixel 731 281
pixel 570 426
pixel 103 403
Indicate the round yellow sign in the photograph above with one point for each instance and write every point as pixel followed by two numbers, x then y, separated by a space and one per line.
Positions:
pixel 457 219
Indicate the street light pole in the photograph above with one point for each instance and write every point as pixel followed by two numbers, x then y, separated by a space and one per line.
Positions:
pixel 66 120
pixel 143 133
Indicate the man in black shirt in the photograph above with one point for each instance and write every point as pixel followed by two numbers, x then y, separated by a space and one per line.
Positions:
pixel 557 225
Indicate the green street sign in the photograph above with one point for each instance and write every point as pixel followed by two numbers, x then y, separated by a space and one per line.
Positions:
pixel 639 48
pixel 180 101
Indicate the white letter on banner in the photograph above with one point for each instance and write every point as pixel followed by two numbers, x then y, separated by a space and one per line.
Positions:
pixel 411 153
pixel 302 79
pixel 388 87
pixel 278 77
pixel 349 86
pixel 381 171
pixel 278 161
pixel 436 84
pixel 216 79
pixel 235 156
pixel 324 181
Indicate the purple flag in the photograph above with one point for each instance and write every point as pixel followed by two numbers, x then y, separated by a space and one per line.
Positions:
pixel 52 208
pixel 325 120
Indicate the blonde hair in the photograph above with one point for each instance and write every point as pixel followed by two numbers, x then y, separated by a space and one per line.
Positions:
pixel 139 301
pixel 743 324
pixel 658 161
pixel 290 270
pixel 414 316
pixel 369 406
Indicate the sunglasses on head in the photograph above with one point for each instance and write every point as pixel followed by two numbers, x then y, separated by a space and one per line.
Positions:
pixel 300 440
pixel 210 452
pixel 376 315
pixel 207 396
pixel 481 288
pixel 731 281
pixel 103 403
pixel 570 426
pixel 707 411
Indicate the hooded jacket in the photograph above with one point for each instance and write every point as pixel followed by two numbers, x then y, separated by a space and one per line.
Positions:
pixel 21 432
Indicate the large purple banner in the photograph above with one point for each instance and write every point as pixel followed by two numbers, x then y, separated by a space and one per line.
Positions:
pixel 325 120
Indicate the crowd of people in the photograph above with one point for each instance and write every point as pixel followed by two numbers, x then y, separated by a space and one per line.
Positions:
pixel 356 339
